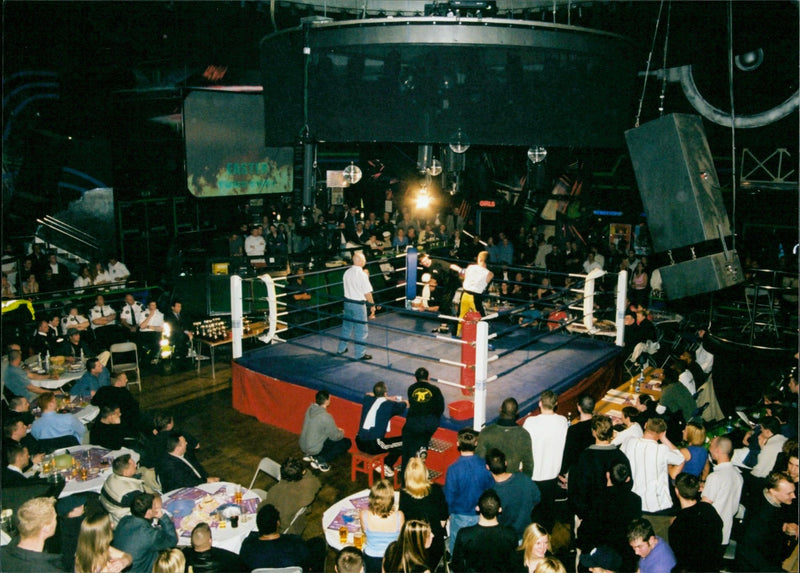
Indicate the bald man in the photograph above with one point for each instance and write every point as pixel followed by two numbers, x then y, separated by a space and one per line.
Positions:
pixel 357 296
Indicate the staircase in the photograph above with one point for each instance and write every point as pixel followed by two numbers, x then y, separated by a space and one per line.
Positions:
pixel 72 246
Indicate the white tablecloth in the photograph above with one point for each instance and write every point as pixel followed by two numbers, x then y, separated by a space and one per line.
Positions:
pixel 229 538
pixel 333 516
pixel 95 483
pixel 54 384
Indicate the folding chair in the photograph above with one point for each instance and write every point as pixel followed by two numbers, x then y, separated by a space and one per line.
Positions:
pixel 269 467
pixel 295 517
pixel 121 354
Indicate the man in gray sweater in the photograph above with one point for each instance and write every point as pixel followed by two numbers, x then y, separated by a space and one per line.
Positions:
pixel 320 439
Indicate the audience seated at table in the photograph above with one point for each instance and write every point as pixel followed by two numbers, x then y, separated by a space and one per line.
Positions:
pixel 20 382
pixel 54 425
pixel 117 394
pixel 268 547
pixel 94 551
pixel 297 489
pixel 95 377
pixel 145 532
pixel 108 431
pixel 36 522
pixel 16 431
pixel 203 557
pixel 381 522
pixel 121 486
pixel 175 471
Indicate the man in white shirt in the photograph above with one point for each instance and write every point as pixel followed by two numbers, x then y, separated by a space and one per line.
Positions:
pixel 131 316
pixel 117 270
pixel 150 329
pixel 548 433
pixel 632 427
pixel 476 278
pixel 723 487
pixel 649 467
pixel 104 322
pixel 255 246
pixel 357 295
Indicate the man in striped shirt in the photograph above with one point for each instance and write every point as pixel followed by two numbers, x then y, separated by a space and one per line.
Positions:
pixel 650 457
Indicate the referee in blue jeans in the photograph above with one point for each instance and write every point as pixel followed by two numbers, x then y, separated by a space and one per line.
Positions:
pixel 357 294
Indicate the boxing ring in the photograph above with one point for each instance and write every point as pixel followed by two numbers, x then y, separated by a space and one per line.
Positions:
pixel 276 383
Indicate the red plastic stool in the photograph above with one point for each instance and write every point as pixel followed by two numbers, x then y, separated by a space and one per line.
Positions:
pixel 367 464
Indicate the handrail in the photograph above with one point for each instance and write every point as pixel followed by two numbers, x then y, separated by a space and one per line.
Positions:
pixel 70 235
pixel 56 221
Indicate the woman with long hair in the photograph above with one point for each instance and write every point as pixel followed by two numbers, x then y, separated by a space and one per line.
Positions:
pixel 100 274
pixel 640 285
pixel 94 552
pixel 535 545
pixel 381 523
pixel 420 499
pixel 409 554
pixel 550 565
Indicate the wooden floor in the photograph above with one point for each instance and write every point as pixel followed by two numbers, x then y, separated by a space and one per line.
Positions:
pixel 231 443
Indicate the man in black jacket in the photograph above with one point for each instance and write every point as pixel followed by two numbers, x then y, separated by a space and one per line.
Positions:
pixel 426 406
pixel 175 471
pixel 202 557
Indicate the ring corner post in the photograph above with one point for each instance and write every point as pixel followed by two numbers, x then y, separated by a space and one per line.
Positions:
pixel 481 366
pixel 236 316
pixel 622 295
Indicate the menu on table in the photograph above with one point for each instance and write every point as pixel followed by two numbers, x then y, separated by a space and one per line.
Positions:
pixel 348 515
pixel 190 506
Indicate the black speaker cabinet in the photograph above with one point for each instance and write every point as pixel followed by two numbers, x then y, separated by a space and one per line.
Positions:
pixel 681 196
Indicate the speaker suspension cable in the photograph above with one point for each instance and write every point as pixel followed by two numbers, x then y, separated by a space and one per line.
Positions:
pixel 733 119
pixel 649 61
pixel 662 97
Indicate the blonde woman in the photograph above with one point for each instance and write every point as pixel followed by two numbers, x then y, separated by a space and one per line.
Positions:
pixel 420 499
pixel 94 552
pixel 535 545
pixel 381 523
pixel 550 565
pixel 170 561
pixel 694 452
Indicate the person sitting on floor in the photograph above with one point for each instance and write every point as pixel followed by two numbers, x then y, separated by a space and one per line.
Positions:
pixel 377 411
pixel 175 471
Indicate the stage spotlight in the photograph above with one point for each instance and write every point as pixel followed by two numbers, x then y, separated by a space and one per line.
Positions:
pixel 352 174
pixel 459 142
pixel 537 154
pixel 435 167
pixel 750 61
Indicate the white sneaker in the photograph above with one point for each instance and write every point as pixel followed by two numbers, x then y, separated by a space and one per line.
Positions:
pixel 308 458
pixel 321 466
pixel 387 471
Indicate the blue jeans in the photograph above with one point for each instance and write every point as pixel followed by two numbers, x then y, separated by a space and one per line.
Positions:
pixel 458 521
pixel 355 318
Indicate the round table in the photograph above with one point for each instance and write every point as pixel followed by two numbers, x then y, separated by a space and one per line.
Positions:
pixel 56 383
pixel 227 537
pixel 96 481
pixel 340 513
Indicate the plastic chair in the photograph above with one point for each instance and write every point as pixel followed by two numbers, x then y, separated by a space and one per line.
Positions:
pixel 269 467
pixel 120 361
pixel 295 517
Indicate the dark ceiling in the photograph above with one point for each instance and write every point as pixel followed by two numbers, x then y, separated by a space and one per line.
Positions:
pixel 99 47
